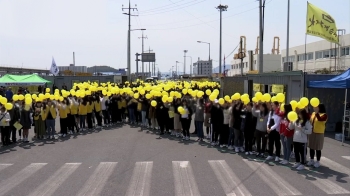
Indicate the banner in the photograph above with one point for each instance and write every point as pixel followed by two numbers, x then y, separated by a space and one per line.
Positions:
pixel 319 23
pixel 277 88
pixel 256 87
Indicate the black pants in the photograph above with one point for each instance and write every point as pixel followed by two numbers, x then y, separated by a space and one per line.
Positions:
pixel 13 132
pixel 106 119
pixel 224 134
pixel 119 115
pixel 248 140
pixel 89 120
pixel 98 118
pixel 64 125
pixel 5 135
pixel 72 123
pixel 215 132
pixel 274 140
pixel 312 154
pixel 299 151
pixel 185 122
pixel 161 124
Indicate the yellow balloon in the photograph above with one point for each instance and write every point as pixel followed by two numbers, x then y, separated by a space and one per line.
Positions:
pixel 236 96
pixel 208 92
pixel 258 95
pixel 47 90
pixel 273 99
pixel 266 97
pixel 304 101
pixel 148 96
pixel 315 102
pixel 15 97
pixel 20 97
pixel 227 98
pixel 221 101
pixel 184 91
pixel 293 103
pixel 282 107
pixel 28 100
pixel 292 116
pixel 153 103
pixel 136 95
pixel 8 106
pixel 170 99
pixel 280 97
pixel 3 100
pixel 255 100
pixel 300 106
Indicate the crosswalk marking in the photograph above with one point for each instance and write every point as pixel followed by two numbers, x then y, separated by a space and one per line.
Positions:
pixel 140 181
pixel 4 166
pixel 336 166
pixel 346 157
pixel 185 183
pixel 231 184
pixel 278 184
pixel 19 177
pixel 324 184
pixel 51 185
pixel 94 185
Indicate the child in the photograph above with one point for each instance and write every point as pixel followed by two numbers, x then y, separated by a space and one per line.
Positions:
pixel 302 127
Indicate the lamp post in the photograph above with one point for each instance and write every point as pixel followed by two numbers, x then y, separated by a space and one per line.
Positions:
pixel 190 64
pixel 205 43
pixel 185 51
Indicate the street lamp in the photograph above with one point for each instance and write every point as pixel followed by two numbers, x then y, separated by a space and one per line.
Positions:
pixel 185 51
pixel 205 43
pixel 190 64
pixel 177 68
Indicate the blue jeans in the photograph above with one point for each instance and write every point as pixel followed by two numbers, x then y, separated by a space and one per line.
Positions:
pixel 50 125
pixel 199 127
pixel 231 137
pixel 287 145
pixel 82 121
pixel 143 116
pixel 131 115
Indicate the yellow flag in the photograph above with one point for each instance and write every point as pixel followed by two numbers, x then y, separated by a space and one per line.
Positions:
pixel 319 23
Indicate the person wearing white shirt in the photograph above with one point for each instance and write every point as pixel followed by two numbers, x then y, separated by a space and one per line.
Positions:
pixel 5 126
pixel 273 128
pixel 302 128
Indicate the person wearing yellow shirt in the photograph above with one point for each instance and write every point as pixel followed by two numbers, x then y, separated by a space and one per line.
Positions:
pixel 39 120
pixel 73 107
pixel 89 108
pixel 50 115
pixel 82 111
pixel 97 110
pixel 316 138
pixel 63 112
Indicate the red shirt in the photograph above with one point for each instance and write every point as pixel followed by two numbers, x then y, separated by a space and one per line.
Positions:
pixel 284 128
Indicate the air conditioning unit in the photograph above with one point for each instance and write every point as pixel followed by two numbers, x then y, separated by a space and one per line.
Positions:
pixel 288 66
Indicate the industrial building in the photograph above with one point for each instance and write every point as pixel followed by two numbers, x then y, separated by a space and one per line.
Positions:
pixel 202 67
pixel 248 62
pixel 319 56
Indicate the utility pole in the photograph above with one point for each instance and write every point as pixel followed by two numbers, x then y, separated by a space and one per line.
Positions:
pixel 287 50
pixel 221 8
pixel 185 51
pixel 129 44
pixel 143 73
pixel 137 63
pixel 241 54
pixel 261 34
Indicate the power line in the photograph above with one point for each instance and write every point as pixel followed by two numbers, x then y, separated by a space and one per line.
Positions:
pixel 171 10
pixel 162 7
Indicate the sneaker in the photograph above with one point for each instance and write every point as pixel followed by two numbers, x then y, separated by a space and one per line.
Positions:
pixel 230 148
pixel 311 162
pixel 281 161
pixel 213 143
pixel 317 164
pixel 64 135
pixel 237 150
pixel 285 162
pixel 252 153
pixel 221 146
pixel 301 167
pixel 277 159
pixel 296 165
pixel 187 138
pixel 269 158
pixel 241 149
pixel 246 153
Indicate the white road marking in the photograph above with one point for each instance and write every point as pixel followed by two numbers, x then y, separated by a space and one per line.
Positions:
pixel 335 166
pixel 19 177
pixel 94 185
pixel 4 166
pixel 276 183
pixel 346 157
pixel 185 182
pixel 140 182
pixel 51 185
pixel 231 184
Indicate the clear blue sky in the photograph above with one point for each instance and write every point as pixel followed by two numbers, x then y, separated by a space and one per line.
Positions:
pixel 34 31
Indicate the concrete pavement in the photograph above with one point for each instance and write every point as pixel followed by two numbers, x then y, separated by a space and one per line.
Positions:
pixel 126 161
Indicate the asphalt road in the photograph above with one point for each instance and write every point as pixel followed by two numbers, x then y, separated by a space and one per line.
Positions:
pixel 126 161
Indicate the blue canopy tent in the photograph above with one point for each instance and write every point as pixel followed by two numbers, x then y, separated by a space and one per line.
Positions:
pixel 341 81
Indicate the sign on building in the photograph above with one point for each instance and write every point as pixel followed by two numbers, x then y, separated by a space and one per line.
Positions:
pixel 148 57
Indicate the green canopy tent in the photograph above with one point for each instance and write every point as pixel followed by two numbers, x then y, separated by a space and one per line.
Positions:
pixel 23 80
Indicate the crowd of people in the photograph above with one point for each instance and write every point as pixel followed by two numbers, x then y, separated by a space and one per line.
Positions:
pixel 258 129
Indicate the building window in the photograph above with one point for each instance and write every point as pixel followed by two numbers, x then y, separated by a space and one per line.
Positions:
pixel 326 54
pixel 333 52
pixel 283 59
pixel 345 51
pixel 301 57
pixel 246 64
pixel 310 56
pixel 319 54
